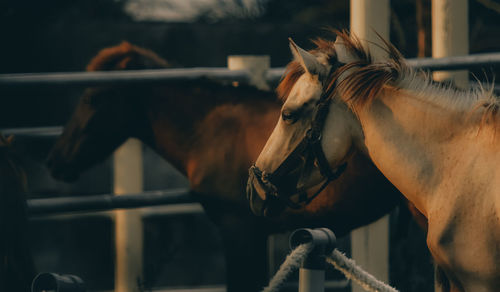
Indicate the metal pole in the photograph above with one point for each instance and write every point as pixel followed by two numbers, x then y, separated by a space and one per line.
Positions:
pixel 311 280
pixel 312 270
pixel 163 76
pixel 370 244
pixel 128 178
pixel 128 77
pixel 450 35
pixel 368 17
pixel 58 205
pixel 257 66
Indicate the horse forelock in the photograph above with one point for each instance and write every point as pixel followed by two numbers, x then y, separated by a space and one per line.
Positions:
pixel 293 72
pixel 118 57
pixel 326 48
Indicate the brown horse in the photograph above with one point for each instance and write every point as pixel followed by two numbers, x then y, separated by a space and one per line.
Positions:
pixel 16 267
pixel 211 133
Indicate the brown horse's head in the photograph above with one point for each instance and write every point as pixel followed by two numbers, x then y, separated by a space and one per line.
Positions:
pixel 105 116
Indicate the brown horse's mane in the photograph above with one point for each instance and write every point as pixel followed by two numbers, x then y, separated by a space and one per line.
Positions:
pixel 126 56
pixel 367 79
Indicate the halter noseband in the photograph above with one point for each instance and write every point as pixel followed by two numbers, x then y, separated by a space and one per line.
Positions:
pixel 310 153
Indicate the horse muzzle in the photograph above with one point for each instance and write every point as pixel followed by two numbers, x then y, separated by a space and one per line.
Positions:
pixel 260 207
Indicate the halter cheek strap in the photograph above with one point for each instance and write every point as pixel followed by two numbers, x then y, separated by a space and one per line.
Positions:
pixel 308 152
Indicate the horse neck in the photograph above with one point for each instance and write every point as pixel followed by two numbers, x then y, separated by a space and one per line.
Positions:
pixel 415 142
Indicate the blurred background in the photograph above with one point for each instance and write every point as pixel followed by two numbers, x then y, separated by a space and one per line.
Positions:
pixel 180 250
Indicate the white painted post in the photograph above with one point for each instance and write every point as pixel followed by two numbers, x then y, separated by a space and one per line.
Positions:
pixel 370 250
pixel 256 65
pixel 370 244
pixel 368 16
pixel 128 178
pixel 311 280
pixel 450 36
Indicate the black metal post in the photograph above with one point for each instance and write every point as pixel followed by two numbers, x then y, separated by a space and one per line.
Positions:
pixel 312 271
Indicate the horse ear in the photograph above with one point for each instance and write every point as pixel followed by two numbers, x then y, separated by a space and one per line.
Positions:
pixel 308 61
pixel 343 55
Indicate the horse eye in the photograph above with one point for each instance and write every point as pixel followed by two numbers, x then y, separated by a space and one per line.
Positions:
pixel 289 117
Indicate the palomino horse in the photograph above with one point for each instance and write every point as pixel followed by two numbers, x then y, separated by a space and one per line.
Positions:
pixel 16 267
pixel 437 145
pixel 211 133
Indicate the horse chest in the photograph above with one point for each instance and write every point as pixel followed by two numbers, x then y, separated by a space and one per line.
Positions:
pixel 464 239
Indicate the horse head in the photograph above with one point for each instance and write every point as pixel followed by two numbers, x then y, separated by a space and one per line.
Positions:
pixel 105 116
pixel 312 140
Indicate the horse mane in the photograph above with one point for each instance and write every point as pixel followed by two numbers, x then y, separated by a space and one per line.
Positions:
pixel 360 82
pixel 293 72
pixel 126 56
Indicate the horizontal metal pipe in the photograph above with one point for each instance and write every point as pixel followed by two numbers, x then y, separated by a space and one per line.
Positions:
pixel 49 206
pixel 456 62
pixel 126 77
pixel 274 74
pixel 220 73
pixel 34 131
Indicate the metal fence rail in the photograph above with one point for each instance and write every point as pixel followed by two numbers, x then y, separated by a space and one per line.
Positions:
pixel 458 62
pixel 50 206
pixel 273 75
pixel 126 77
pixel 33 131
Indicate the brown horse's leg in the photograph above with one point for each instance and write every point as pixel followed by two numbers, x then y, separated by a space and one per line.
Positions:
pixel 246 260
pixel 16 266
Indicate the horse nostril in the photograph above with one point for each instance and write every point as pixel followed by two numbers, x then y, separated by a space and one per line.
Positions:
pixel 256 203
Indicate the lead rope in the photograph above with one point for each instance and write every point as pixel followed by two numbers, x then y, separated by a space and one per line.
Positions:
pixel 354 272
pixel 292 262
pixel 337 259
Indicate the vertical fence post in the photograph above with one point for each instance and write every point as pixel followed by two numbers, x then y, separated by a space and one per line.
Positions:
pixel 312 270
pixel 450 36
pixel 128 178
pixel 256 65
pixel 370 244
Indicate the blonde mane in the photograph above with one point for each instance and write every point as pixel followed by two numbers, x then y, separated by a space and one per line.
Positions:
pixel 365 80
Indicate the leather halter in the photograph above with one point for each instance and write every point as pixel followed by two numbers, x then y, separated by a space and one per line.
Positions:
pixel 309 153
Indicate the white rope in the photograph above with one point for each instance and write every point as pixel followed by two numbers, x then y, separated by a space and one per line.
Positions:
pixel 338 260
pixel 356 273
pixel 291 263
